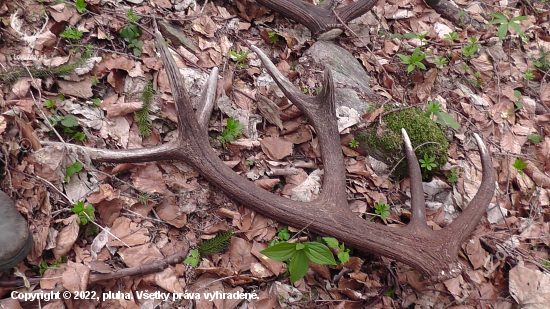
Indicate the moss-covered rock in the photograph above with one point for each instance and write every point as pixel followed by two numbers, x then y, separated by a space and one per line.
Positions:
pixel 384 142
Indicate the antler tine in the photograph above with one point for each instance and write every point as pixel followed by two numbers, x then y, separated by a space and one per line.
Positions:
pixel 208 96
pixel 465 224
pixel 321 112
pixel 418 204
pixel 302 101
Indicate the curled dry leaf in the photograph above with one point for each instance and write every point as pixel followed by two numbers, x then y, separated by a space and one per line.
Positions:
pixel 67 237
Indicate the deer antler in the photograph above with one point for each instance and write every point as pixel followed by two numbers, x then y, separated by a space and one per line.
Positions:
pixel 319 19
pixel 434 253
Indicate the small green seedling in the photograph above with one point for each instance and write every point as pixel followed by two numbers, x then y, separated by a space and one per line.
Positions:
pixel 452 36
pixel 232 130
pixel 137 46
pixel 237 56
pixel 299 255
pixel 501 19
pixel 471 48
pixel 273 37
pixel 71 33
pixel 519 165
pixel 528 75
pixel 44 265
pixel 354 143
pixel 50 103
pixel 85 213
pixel 131 17
pixel 80 6
pixel 428 162
pixel 517 95
pixel 343 252
pixel 534 138
pixel 414 60
pixel 71 170
pixel 452 177
pixel 441 61
pixel 442 118
pixel 193 260
pixel 382 209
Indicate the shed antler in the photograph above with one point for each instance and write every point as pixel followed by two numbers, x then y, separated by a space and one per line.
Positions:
pixel 434 253
pixel 319 19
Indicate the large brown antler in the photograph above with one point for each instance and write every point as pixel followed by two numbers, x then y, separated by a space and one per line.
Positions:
pixel 434 253
pixel 319 19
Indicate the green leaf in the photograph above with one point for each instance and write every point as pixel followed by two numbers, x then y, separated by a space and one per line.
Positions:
pixel 280 252
pixel 410 68
pixel 283 234
pixel 410 35
pixel 69 121
pixel 79 136
pixel 331 242
pixel 516 27
pixel 499 18
pixel 519 165
pixel 80 6
pixel 421 65
pixel 71 170
pixel 518 18
pixel 194 253
pixel 319 253
pixel 502 30
pixel 343 256
pixel 447 120
pixel 298 265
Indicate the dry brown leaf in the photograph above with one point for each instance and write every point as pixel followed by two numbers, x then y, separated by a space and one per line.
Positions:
pixel 129 232
pixel 510 143
pixel 239 254
pixel 424 89
pixel 21 87
pixel 149 179
pixel 81 89
pixel 275 267
pixel 476 254
pixel 205 26
pixel 120 107
pixel 168 281
pixel 171 213
pixel 66 238
pixel 75 278
pixel 52 276
pixel 541 179
pixel 530 288
pixel 267 183
pixel 140 255
pixel 276 148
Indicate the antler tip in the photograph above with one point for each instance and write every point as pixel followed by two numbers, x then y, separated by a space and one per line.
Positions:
pixel 406 139
pixel 480 144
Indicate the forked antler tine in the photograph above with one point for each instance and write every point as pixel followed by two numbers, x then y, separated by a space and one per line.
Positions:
pixel 321 112
pixel 465 224
pixel 418 204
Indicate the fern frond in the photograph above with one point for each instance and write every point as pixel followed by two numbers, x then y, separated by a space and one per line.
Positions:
pixel 142 116
pixel 216 244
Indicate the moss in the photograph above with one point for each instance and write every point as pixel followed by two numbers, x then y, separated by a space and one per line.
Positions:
pixel 384 142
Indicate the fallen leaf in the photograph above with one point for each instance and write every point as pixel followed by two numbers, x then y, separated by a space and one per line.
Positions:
pixel 530 288
pixel 276 148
